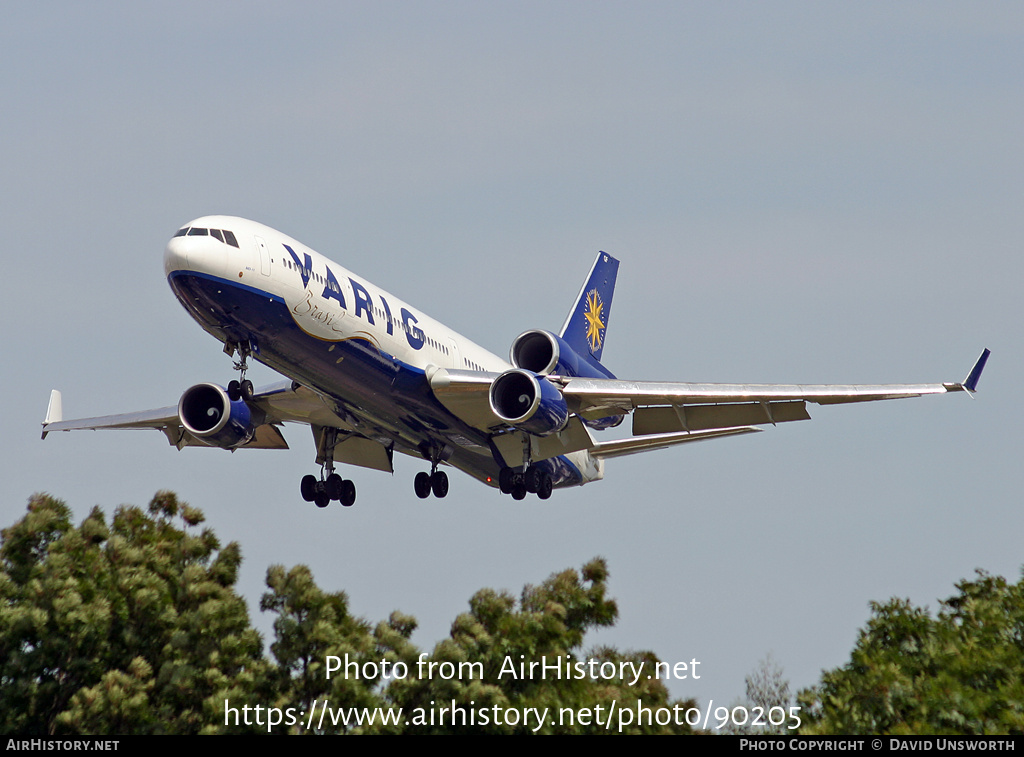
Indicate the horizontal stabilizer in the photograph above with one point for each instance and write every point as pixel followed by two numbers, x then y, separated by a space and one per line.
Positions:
pixel 635 444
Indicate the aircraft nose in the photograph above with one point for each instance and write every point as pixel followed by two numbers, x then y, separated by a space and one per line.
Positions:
pixel 195 249
pixel 175 256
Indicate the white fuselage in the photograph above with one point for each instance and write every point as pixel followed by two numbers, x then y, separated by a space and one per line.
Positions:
pixel 342 337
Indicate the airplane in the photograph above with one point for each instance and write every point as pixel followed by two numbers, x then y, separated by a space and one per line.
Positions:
pixel 371 376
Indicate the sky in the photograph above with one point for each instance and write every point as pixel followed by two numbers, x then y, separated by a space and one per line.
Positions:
pixel 798 193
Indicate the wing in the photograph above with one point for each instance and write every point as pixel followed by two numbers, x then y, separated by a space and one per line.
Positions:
pixel 271 406
pixel 668 407
pixel 666 414
pixel 167 420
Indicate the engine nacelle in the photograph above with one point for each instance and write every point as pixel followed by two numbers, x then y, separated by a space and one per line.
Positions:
pixel 529 402
pixel 206 412
pixel 544 353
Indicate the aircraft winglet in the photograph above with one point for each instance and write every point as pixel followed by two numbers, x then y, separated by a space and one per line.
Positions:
pixel 971 382
pixel 54 411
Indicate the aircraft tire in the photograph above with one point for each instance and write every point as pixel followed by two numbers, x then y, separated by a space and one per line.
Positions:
pixel 532 479
pixel 308 488
pixel 422 484
pixel 348 493
pixel 519 491
pixel 246 390
pixel 334 486
pixel 544 490
pixel 439 484
pixel 505 480
pixel 321 499
pixel 234 391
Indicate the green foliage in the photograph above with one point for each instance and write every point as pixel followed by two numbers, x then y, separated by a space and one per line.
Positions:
pixel 128 628
pixel 959 673
pixel 310 626
pixel 549 622
pixel 134 627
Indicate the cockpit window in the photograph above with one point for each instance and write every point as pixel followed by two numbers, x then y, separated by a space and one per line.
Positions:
pixel 223 235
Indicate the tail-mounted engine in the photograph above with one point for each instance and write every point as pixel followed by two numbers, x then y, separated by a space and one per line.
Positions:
pixel 544 353
pixel 210 416
pixel 529 402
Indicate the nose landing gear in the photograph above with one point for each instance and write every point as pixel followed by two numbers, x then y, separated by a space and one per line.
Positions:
pixel 241 389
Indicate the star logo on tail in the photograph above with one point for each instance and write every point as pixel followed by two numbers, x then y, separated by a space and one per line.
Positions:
pixel 594 313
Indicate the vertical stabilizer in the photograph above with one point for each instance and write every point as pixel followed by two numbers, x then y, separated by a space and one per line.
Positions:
pixel 585 327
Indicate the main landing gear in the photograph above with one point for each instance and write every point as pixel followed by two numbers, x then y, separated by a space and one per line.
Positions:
pixel 323 490
pixel 518 482
pixel 330 486
pixel 436 481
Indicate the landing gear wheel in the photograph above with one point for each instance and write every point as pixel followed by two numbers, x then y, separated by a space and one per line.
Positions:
pixel 532 479
pixel 308 488
pixel 439 484
pixel 234 391
pixel 505 480
pixel 321 498
pixel 348 493
pixel 544 490
pixel 246 390
pixel 519 491
pixel 422 484
pixel 334 486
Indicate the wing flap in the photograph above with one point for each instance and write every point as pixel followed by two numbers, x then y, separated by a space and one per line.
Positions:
pixel 685 418
pixel 352 449
pixel 573 438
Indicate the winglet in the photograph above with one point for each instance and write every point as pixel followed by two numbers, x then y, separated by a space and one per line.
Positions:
pixel 971 382
pixel 54 411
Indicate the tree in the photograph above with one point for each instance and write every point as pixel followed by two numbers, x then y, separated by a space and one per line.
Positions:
pixel 311 627
pixel 547 624
pixel 768 701
pixel 961 672
pixel 133 627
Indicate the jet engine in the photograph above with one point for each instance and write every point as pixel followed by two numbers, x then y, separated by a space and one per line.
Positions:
pixel 529 402
pixel 546 354
pixel 210 416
